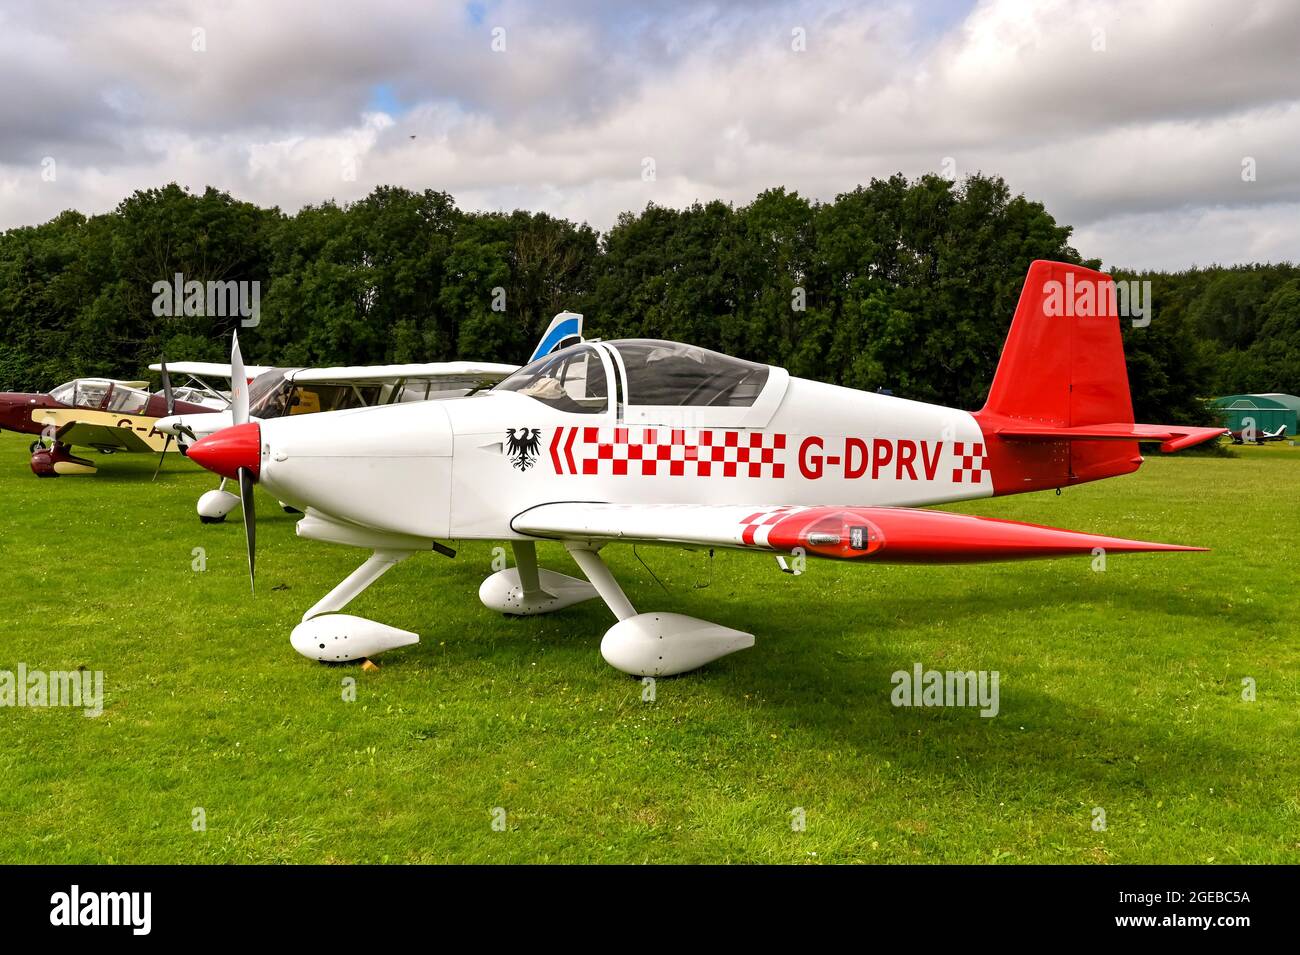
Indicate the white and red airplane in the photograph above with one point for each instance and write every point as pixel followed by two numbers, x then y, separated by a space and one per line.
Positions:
pixel 656 442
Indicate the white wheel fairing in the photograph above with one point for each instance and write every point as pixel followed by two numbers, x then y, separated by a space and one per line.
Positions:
pixel 214 505
pixel 665 644
pixel 504 593
pixel 343 637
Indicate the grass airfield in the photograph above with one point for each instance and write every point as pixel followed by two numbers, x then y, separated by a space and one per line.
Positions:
pixel 1120 690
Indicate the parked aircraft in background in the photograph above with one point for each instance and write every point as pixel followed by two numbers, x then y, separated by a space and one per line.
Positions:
pixel 1261 437
pixel 101 413
pixel 657 442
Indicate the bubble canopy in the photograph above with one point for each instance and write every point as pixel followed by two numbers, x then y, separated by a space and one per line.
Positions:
pixel 101 394
pixel 658 373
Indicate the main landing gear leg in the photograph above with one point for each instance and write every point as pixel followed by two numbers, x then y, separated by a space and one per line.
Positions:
pixel 526 569
pixel 526 589
pixel 590 563
pixel 653 644
pixel 333 637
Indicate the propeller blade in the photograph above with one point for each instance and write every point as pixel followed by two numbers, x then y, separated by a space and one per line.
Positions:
pixel 238 384
pixel 162 454
pixel 167 388
pixel 250 522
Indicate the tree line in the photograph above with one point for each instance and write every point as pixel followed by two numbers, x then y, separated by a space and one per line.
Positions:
pixel 907 286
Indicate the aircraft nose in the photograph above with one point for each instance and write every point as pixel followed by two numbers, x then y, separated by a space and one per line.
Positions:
pixel 230 449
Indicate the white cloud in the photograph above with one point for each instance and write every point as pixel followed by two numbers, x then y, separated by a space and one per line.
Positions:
pixel 1181 238
pixel 1144 138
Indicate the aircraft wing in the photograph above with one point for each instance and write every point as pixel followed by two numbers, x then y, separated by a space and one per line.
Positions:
pixel 469 372
pixel 881 534
pixel 209 369
pixel 102 437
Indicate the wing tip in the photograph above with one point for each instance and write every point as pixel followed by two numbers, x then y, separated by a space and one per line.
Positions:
pixel 1154 547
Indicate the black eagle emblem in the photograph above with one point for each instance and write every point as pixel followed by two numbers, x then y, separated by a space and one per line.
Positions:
pixel 523 445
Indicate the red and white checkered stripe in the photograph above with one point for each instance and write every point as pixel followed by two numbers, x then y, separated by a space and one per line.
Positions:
pixel 676 452
pixel 973 465
pixel 755 527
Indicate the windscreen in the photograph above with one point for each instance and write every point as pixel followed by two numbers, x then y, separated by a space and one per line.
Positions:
pixel 572 379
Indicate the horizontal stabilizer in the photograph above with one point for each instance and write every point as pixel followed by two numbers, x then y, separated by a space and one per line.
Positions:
pixel 1171 437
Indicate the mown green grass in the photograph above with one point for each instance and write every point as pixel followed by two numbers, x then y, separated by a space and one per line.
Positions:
pixel 1120 690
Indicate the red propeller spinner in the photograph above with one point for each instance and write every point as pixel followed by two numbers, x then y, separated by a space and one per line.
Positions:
pixel 230 449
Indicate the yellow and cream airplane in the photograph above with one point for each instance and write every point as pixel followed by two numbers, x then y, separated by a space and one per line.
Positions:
pixel 106 414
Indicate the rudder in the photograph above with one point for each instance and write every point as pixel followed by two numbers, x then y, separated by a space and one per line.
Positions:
pixel 1062 367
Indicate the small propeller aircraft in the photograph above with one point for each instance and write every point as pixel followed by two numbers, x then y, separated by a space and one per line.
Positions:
pixel 283 392
pixel 101 413
pixel 1260 437
pixel 656 442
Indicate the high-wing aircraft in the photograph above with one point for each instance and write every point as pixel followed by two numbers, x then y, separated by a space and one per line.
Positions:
pixel 101 413
pixel 656 442
pixel 277 392
pixel 286 392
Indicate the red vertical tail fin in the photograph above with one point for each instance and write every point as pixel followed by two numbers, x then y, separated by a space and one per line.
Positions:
pixel 1062 369
pixel 1064 360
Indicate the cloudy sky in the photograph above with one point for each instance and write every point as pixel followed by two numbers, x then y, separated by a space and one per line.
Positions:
pixel 1165 132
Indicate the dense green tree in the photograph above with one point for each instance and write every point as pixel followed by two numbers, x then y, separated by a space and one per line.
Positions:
pixel 901 285
pixel 1276 352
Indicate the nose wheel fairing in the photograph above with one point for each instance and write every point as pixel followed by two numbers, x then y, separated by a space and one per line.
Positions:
pixel 333 637
pixel 214 505
pixel 344 637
